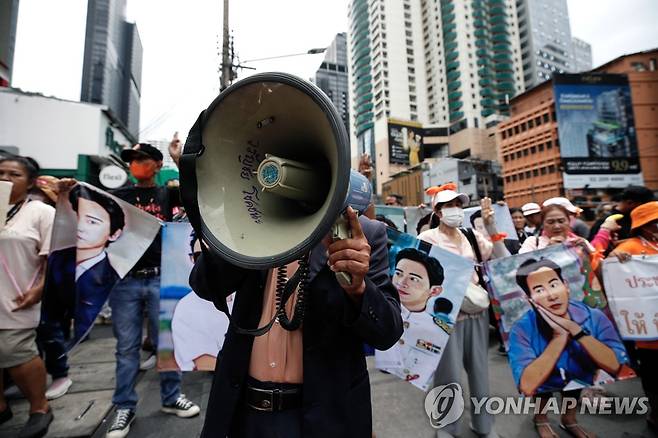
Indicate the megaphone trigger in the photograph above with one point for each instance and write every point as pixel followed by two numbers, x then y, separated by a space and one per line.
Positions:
pixel 339 231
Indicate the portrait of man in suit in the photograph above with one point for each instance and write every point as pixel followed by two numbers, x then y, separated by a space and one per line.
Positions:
pixel 86 268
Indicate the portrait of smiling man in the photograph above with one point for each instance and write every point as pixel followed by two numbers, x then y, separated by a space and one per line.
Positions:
pixel 86 268
pixel 418 278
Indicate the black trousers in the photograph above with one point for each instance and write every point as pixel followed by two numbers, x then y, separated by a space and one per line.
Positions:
pixel 252 423
pixel 648 359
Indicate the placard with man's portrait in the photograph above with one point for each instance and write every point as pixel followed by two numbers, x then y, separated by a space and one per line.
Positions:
pixel 555 321
pixel 97 238
pixel 431 283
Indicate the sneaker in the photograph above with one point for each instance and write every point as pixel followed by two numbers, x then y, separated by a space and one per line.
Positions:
pixel 7 415
pixel 121 424
pixel 37 425
pixel 183 408
pixel 58 388
pixel 148 363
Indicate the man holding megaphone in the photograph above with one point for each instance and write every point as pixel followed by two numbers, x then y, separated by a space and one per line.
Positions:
pixel 265 180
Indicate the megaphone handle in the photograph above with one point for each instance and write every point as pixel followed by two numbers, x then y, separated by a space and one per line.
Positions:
pixel 341 230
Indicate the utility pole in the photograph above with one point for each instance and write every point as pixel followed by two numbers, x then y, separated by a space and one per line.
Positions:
pixel 225 79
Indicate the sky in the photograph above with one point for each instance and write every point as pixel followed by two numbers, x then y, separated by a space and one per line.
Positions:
pixel 182 41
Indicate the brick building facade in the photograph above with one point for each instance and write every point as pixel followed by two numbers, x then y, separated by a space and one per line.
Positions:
pixel 528 143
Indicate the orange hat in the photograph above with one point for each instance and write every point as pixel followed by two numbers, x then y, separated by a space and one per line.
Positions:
pixel 644 214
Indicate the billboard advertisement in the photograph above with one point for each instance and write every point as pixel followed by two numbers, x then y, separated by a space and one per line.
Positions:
pixel 405 142
pixel 598 140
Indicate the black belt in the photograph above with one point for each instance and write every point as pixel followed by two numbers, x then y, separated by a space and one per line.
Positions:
pixel 272 400
pixel 145 272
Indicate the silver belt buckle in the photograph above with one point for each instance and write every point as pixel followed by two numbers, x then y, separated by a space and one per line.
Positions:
pixel 265 404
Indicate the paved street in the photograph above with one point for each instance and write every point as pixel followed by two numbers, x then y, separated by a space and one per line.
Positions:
pixel 397 406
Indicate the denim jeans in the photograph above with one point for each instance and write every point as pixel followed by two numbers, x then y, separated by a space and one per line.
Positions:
pixel 52 344
pixel 128 300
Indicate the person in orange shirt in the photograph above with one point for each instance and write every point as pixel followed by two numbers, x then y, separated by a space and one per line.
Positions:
pixel 644 241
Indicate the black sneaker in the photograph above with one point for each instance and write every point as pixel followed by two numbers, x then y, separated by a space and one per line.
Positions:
pixel 37 425
pixel 121 424
pixel 183 408
pixel 6 415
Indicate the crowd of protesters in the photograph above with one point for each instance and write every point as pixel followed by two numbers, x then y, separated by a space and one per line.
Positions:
pixel 627 227
pixel 32 343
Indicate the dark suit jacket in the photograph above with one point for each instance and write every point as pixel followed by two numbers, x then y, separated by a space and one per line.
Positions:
pixel 336 389
pixel 81 300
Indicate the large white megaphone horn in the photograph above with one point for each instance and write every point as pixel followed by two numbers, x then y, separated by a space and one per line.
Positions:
pixel 265 172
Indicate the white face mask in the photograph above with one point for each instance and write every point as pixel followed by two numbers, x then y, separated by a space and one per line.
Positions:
pixel 452 217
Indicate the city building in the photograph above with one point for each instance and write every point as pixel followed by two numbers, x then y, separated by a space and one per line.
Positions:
pixel 430 65
pixel 476 178
pixel 582 55
pixel 8 20
pixel 331 77
pixel 68 139
pixel 529 142
pixel 112 66
pixel 545 37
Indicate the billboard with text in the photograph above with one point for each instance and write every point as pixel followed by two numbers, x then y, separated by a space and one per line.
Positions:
pixel 596 127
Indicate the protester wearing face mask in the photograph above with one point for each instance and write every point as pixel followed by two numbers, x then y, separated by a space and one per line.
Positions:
pixel 469 343
pixel 140 291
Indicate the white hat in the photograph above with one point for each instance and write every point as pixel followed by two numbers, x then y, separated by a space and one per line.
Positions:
pixel 530 208
pixel 564 202
pixel 446 193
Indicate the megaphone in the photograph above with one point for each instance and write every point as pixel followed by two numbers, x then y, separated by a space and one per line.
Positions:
pixel 265 172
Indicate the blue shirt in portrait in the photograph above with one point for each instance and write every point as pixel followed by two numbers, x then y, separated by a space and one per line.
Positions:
pixel 526 344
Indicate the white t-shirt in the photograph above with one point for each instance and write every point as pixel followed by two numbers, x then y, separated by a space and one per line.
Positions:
pixel 197 328
pixel 24 241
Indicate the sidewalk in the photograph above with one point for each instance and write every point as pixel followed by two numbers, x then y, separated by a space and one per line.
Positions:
pixel 398 407
pixel 92 371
